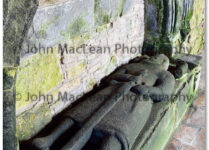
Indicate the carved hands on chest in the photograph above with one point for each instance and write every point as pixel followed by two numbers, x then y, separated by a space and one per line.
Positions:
pixel 150 76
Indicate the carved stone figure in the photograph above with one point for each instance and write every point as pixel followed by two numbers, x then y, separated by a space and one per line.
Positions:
pixel 180 69
pixel 158 83
pixel 117 113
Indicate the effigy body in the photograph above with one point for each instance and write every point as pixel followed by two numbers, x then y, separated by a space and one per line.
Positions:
pixel 117 113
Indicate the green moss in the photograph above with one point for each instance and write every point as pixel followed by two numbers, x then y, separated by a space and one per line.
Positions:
pixel 45 26
pixel 154 2
pixel 9 74
pixel 101 28
pixel 81 39
pixel 101 17
pixel 156 45
pixel 185 29
pixel 92 82
pixel 18 146
pixel 30 123
pixel 41 73
pixel 193 29
pixel 160 7
pixel 191 92
pixel 77 70
pixel 47 2
pixel 121 7
pixel 113 60
pixel 111 65
pixel 10 71
pixel 77 27
pixel 197 23
pixel 162 133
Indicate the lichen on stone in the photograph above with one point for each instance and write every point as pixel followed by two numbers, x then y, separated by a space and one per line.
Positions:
pixel 91 84
pixel 41 73
pixel 49 2
pixel 196 38
pixel 10 71
pixel 101 17
pixel 120 12
pixel 77 70
pixel 45 26
pixel 77 27
pixel 31 122
pixel 112 65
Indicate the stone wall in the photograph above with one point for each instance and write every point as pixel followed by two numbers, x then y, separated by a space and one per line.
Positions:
pixel 196 37
pixel 62 73
pixel 16 21
pixel 53 74
pixel 175 26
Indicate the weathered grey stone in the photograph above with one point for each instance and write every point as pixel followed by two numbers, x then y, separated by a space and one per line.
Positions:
pixel 17 19
pixel 167 25
pixel 155 121
pixel 152 22
pixel 107 10
pixel 16 24
pixel 9 120
pixel 58 23
pixel 32 121
pixel 115 110
pixel 81 72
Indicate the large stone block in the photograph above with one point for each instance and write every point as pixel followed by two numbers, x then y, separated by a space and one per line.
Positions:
pixel 73 22
pixel 36 76
pixel 30 123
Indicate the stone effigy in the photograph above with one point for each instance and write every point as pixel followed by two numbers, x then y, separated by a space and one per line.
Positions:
pixel 157 82
pixel 117 113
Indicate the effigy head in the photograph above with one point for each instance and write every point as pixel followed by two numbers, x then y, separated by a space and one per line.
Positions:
pixel 161 59
pixel 139 59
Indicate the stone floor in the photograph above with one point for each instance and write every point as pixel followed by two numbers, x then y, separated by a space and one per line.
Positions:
pixel 191 135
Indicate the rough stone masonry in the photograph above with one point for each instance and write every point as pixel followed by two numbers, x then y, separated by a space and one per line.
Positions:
pixel 49 82
pixel 44 79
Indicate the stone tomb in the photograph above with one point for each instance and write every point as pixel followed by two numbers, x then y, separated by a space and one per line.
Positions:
pixel 139 106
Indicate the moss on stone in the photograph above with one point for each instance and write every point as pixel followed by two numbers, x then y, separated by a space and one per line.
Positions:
pixel 195 20
pixel 77 70
pixel 48 2
pixel 30 123
pixel 155 45
pixel 154 2
pixel 188 32
pixel 76 30
pixel 120 12
pixel 77 27
pixel 160 8
pixel 162 132
pixel 81 39
pixel 41 73
pixel 9 74
pixel 196 41
pixel 113 60
pixel 45 26
pixel 101 28
pixel 10 71
pixel 113 63
pixel 91 84
pixel 101 17
pixel 185 29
